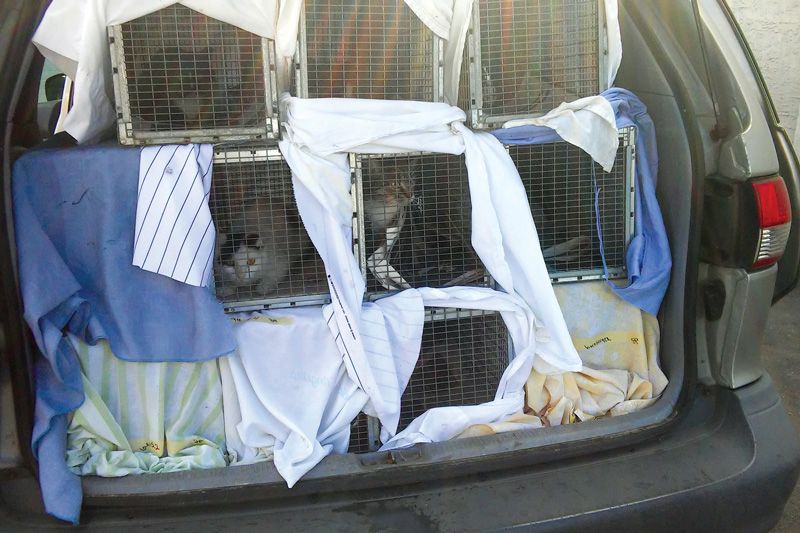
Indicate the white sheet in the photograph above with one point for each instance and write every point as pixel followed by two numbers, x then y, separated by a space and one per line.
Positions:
pixel 174 233
pixel 238 452
pixel 286 372
pixel 288 396
pixel 614 58
pixel 588 123
pixel 503 235
pixel 287 393
pixel 73 35
pixel 450 20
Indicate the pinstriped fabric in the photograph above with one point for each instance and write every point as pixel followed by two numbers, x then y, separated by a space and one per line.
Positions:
pixel 174 230
pixel 145 417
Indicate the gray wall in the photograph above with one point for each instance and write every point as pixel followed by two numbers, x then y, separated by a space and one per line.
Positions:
pixel 772 28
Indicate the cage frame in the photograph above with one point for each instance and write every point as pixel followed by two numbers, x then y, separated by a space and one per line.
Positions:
pixel 357 171
pixel 627 136
pixel 474 76
pixel 256 153
pixel 300 67
pixel 129 136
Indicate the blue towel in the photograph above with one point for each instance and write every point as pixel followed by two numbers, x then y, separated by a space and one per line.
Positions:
pixel 649 260
pixel 74 214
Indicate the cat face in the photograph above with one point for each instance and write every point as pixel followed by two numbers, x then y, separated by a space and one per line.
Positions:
pixel 392 177
pixel 247 260
pixel 400 192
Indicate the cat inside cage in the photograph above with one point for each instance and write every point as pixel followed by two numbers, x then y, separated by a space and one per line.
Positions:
pixel 263 250
pixel 186 71
pixel 417 217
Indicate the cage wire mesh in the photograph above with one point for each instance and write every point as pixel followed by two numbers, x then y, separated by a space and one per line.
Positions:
pixel 416 222
pixel 181 74
pixel 265 257
pixel 560 181
pixel 367 49
pixel 529 56
pixel 463 355
pixel 360 439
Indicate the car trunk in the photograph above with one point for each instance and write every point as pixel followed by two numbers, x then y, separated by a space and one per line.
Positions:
pixel 659 38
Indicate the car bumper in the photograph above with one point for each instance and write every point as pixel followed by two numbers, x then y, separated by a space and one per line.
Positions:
pixel 729 463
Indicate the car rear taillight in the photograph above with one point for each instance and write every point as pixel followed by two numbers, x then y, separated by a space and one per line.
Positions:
pixel 775 220
pixel 746 224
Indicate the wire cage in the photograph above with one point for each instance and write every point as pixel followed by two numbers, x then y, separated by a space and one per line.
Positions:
pixel 375 49
pixel 414 221
pixel 463 355
pixel 264 256
pixel 182 76
pixel 569 211
pixel 525 57
pixel 364 432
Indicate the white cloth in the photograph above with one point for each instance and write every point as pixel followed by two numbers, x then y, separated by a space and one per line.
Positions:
pixel 614 58
pixel 397 319
pixel 174 232
pixel 503 233
pixel 289 397
pixel 238 452
pixel 292 397
pixel 588 123
pixel 450 20
pixel 286 375
pixel 73 35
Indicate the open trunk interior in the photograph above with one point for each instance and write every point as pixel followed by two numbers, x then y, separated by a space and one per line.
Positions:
pixel 646 73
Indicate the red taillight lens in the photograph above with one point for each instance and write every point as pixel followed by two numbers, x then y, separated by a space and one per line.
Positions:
pixel 773 202
pixel 775 220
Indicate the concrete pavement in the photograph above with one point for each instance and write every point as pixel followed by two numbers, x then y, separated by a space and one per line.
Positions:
pixel 781 356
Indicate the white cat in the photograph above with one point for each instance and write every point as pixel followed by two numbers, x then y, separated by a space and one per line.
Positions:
pixel 274 240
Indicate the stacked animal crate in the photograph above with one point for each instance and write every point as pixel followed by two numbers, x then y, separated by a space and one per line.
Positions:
pixel 412 224
pixel 181 76
pixel 415 226
pixel 523 59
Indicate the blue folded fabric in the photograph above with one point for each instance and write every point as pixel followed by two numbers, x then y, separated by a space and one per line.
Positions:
pixel 74 214
pixel 649 260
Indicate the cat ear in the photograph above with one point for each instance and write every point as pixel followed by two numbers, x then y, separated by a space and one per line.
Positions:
pixel 253 240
